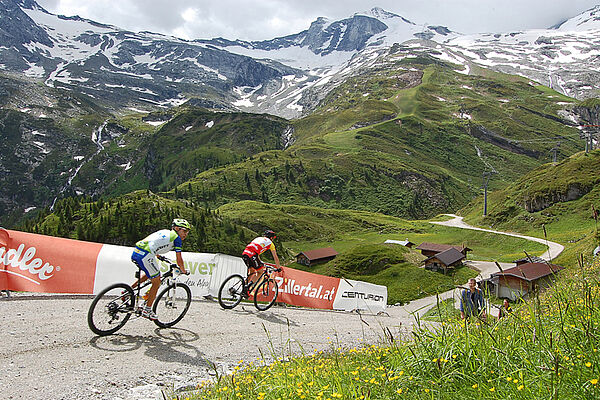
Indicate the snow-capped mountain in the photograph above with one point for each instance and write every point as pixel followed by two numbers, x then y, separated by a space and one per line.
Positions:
pixel 565 57
pixel 588 20
pixel 329 51
pixel 121 67
pixel 329 44
pixel 285 76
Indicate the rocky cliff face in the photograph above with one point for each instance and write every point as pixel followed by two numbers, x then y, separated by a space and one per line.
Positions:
pixel 589 115
pixel 346 35
pixel 573 191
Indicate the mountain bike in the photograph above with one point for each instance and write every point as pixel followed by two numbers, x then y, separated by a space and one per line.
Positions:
pixel 235 288
pixel 116 304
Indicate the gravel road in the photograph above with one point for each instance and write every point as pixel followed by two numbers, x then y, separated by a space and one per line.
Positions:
pixel 554 249
pixel 48 352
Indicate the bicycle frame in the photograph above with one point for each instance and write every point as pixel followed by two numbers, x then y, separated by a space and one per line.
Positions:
pixel 165 280
pixel 235 288
pixel 266 274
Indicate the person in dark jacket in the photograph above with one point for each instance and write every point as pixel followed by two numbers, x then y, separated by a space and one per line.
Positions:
pixel 472 303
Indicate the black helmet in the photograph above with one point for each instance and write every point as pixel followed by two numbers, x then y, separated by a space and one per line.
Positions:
pixel 270 234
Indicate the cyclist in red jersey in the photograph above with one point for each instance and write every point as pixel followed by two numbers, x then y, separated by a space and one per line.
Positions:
pixel 254 249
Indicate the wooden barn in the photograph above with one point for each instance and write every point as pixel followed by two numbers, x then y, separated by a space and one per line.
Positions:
pixel 517 282
pixel 430 249
pixel 445 260
pixel 316 256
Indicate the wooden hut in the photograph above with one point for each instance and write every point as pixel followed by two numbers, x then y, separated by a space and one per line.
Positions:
pixel 517 282
pixel 445 260
pixel 430 249
pixel 316 256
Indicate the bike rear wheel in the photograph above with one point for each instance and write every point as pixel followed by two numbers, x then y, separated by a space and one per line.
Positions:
pixel 231 292
pixel 111 309
pixel 172 304
pixel 266 295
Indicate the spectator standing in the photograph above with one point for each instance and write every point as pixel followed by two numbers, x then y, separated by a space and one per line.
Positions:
pixel 472 303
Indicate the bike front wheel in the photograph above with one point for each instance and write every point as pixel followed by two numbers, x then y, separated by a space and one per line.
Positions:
pixel 111 309
pixel 266 295
pixel 172 304
pixel 231 292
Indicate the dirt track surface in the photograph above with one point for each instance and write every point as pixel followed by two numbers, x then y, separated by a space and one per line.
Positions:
pixel 48 352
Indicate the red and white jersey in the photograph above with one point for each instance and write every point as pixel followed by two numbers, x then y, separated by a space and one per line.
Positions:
pixel 259 246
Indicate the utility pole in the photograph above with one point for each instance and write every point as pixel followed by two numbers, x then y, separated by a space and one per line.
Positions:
pixel 590 132
pixel 554 150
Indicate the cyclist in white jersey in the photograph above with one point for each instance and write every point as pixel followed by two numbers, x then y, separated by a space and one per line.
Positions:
pixel 144 256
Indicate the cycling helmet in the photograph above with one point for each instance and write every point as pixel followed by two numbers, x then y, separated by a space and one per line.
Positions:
pixel 182 223
pixel 270 234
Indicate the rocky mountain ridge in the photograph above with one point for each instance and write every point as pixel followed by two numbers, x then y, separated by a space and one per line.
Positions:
pixel 285 76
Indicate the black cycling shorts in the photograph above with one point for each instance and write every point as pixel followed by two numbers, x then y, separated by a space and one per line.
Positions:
pixel 252 262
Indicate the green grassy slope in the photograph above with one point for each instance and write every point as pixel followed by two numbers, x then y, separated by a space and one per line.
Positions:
pixel 409 140
pixel 193 140
pixel 359 238
pixel 357 235
pixel 557 197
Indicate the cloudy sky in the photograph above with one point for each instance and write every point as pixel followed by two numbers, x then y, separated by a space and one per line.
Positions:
pixel 267 19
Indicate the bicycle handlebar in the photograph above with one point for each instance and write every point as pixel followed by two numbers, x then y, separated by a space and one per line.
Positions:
pixel 271 268
pixel 172 265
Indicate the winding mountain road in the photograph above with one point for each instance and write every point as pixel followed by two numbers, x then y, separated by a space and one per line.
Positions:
pixel 486 268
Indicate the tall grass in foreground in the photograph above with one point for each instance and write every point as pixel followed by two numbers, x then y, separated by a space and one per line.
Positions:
pixel 547 349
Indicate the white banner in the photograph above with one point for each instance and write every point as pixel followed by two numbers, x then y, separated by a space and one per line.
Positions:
pixel 362 296
pixel 226 266
pixel 114 265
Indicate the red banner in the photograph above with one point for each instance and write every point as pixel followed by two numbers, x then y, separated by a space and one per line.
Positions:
pixel 306 289
pixel 38 263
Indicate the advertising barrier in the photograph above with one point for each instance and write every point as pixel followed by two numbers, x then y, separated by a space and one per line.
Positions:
pixel 38 263
pixel 46 264
pixel 358 295
pixel 3 245
pixel 306 289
